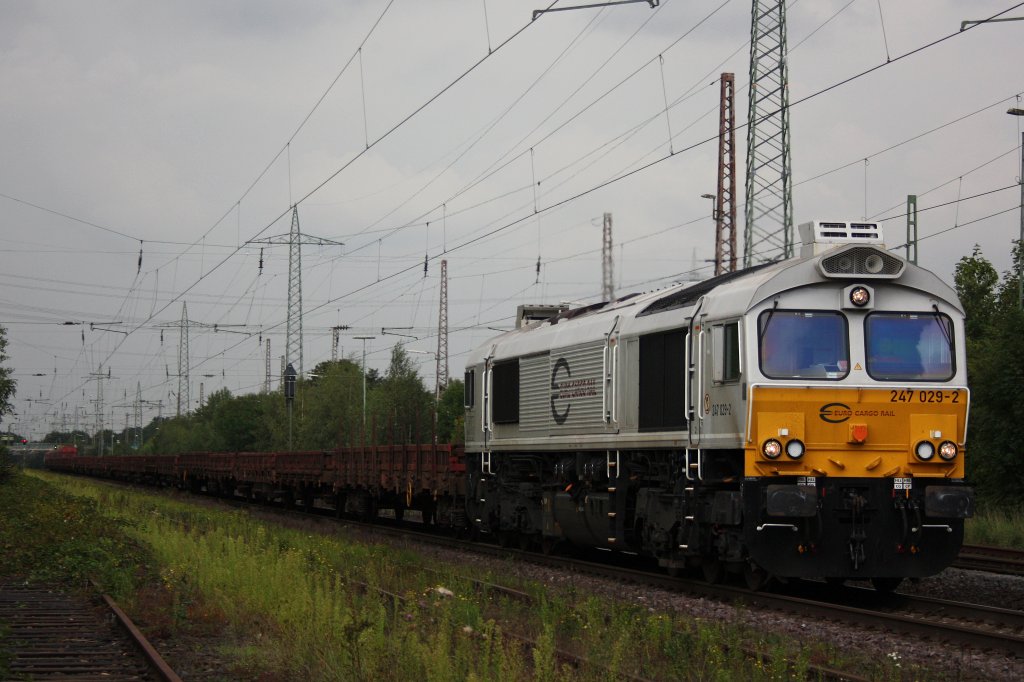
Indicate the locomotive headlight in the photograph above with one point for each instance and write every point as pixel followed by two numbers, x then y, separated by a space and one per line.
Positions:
pixel 771 448
pixel 947 450
pixel 874 264
pixel 860 296
pixel 924 450
pixel 795 449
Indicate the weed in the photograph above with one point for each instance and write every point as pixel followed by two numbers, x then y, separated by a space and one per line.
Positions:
pixel 997 527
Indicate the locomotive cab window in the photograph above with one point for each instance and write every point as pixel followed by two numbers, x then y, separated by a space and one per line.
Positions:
pixel 505 392
pixel 909 346
pixel 803 344
pixel 725 344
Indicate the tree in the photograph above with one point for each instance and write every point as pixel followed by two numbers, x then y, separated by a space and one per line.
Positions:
pixel 239 423
pixel 77 436
pixel 331 406
pixel 451 415
pixel 995 325
pixel 7 384
pixel 402 408
pixel 975 281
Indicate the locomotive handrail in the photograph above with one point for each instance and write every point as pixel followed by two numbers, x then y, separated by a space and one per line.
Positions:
pixel 608 382
pixel 615 389
pixel 739 345
pixel 686 383
pixel 700 374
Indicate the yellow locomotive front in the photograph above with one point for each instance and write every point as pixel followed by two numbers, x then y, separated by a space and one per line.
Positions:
pixel 856 424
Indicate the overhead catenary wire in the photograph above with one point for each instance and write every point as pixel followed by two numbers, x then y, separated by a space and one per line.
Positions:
pixel 338 171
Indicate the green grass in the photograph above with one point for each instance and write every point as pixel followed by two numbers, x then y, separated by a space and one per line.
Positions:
pixel 996 527
pixel 310 606
pixel 49 535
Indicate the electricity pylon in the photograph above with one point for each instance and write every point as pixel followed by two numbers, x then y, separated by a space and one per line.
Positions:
pixel 442 335
pixel 607 279
pixel 769 216
pixel 295 239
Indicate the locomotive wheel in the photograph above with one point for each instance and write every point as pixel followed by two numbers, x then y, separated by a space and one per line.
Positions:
pixel 755 577
pixel 713 571
pixel 885 585
pixel 547 545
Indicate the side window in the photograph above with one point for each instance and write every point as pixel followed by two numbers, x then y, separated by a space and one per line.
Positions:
pixel 468 388
pixel 505 392
pixel 725 345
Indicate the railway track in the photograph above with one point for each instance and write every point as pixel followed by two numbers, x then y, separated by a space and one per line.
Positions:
pixel 968 625
pixel 991 559
pixel 977 626
pixel 981 627
pixel 50 634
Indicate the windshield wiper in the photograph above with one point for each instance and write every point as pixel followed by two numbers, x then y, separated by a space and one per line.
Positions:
pixel 945 332
pixel 768 320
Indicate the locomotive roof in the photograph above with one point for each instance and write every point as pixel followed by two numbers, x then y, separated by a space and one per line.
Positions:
pixel 733 294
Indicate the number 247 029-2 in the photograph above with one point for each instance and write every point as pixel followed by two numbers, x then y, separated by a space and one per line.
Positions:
pixel 910 395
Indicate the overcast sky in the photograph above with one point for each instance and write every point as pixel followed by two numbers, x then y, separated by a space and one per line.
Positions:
pixel 445 129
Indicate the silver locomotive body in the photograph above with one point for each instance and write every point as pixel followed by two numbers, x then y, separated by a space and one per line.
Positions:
pixel 768 420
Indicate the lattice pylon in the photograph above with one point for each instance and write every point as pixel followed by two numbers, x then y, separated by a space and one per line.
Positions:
pixel 137 414
pixel 183 378
pixel 607 276
pixel 768 234
pixel 725 199
pixel 293 345
pixel 266 380
pixel 442 335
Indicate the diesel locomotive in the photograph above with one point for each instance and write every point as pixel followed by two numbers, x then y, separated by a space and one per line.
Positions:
pixel 801 418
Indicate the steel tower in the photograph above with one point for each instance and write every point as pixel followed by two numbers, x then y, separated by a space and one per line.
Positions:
pixel 769 212
pixel 442 336
pixel 183 378
pixel 607 279
pixel 725 200
pixel 293 345
pixel 294 239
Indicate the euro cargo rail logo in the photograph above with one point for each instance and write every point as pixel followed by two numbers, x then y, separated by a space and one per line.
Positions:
pixel 835 413
pixel 567 390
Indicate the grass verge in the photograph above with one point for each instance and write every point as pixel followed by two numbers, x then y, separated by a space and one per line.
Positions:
pixel 996 527
pixel 309 606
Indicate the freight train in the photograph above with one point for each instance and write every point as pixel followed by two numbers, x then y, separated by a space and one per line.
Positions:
pixel 800 418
